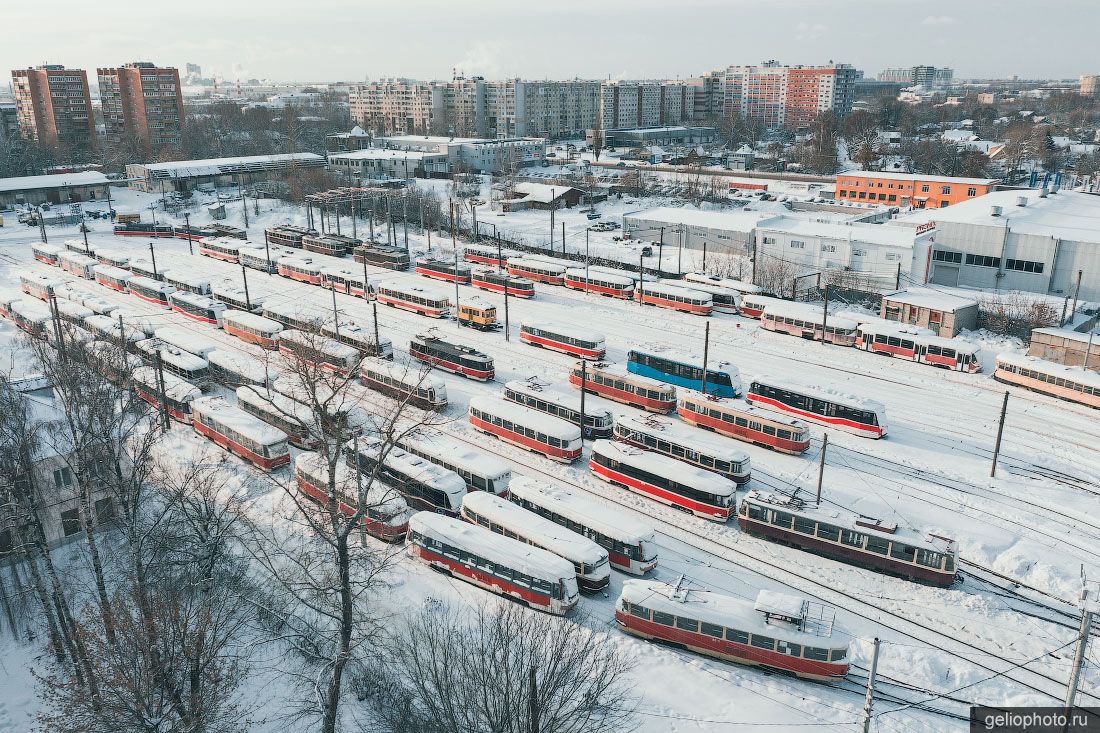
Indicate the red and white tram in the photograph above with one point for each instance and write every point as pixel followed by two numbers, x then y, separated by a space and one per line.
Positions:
pixel 611 286
pixel 542 396
pixel 233 369
pixel 443 270
pixel 300 269
pixel 503 517
pixel 543 272
pixel 702 493
pixel 494 562
pixel 480 471
pixel 238 299
pixel 675 298
pixel 454 358
pixel 425 485
pixel 385 513
pixel 32 317
pixel 614 382
pixel 493 281
pixel 198 307
pixel 252 328
pixel 806 321
pixel 823 406
pixel 343 280
pixel 238 432
pixel 484 255
pixel 47 254
pixel 403 382
pixel 188 281
pixel 227 249
pixel 425 301
pixel 894 339
pixel 753 304
pixel 113 258
pixel 39 286
pixel 1072 384
pixel 723 282
pixel 294 418
pixel 150 290
pixel 186 340
pixel 114 278
pixel 724 300
pixel 678 441
pixel 850 537
pixel 179 393
pixel 740 420
pixel 778 631
pixel 318 350
pixel 567 339
pixel 78 264
pixel 629 543
pixel 521 426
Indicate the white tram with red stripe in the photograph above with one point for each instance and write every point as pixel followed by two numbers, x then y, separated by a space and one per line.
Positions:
pixel 39 286
pixel 495 282
pixel 114 278
pixel 674 298
pixel 521 426
pixel 47 254
pixel 438 269
pixel 778 631
pixel 903 342
pixel 179 393
pixel 294 418
pixel 542 396
pixel 455 358
pixel 343 280
pixel 415 298
pixel 385 513
pixel 186 340
pixel 113 258
pixel 1073 384
pixel 150 290
pixel 724 300
pixel 426 486
pixel 33 317
pixel 78 264
pixel 493 562
pixel 192 283
pixel 567 339
pixel 240 433
pixel 402 382
pixel 227 249
pixel 683 443
pixel 740 420
pixel 318 350
pixel 198 307
pixel 543 272
pixel 702 493
pixel 252 328
pixel 615 382
pixel 753 304
pixel 480 471
pixel 630 544
pixel 501 516
pixel 602 283
pixel 809 322
pixel 483 255
pixel 299 268
pixel 825 407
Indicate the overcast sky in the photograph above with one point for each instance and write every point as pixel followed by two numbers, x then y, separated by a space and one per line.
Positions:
pixel 329 40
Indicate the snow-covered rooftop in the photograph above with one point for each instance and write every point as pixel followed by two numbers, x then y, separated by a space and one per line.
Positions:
pixel 214 166
pixel 541 192
pixel 930 298
pixel 57 180
pixel 894 176
pixel 741 221
pixel 383 154
pixel 870 233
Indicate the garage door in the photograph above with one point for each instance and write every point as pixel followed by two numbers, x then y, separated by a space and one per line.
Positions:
pixel 946 276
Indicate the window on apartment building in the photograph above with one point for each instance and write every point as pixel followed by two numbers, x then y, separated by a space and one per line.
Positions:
pixel 892 197
pixel 954 258
pixel 842 193
pixel 983 261
pixel 924 189
pixel 894 256
pixel 828 248
pixel 858 252
pixel 882 197
pixel 1024 266
pixel 880 185
pixel 944 204
pixel 945 190
pixel 62 477
pixel 795 244
pixel 863 194
pixel 972 191
pixel 70 522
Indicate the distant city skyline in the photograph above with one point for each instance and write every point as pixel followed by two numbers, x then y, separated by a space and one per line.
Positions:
pixel 431 39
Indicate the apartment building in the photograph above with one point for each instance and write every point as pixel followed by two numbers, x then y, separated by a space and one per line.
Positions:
pixel 628 104
pixel 142 102
pixel 54 106
pixel 925 76
pixel 791 96
pixel 393 106
pixel 551 109
pixel 1089 86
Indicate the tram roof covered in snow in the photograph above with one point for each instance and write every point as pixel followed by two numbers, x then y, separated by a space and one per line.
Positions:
pixel 826 393
pixel 563 329
pixel 547 391
pixel 683 434
pixel 186 340
pixel 553 426
pixel 237 419
pixel 178 389
pixel 379 496
pixel 806 312
pixel 409 374
pixel 668 468
pixel 415 467
pixel 1074 374
pixel 531 526
pixel 580 508
pixel 251 320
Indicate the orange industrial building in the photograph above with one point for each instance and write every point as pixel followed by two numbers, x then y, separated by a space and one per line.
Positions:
pixel 909 189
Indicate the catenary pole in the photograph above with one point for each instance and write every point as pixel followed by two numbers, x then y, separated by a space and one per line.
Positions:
pixel 1000 432
pixel 584 388
pixel 1088 609
pixel 821 467
pixel 706 356
pixel 869 702
pixel 247 300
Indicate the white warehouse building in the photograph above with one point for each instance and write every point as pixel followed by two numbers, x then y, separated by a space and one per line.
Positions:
pixel 480 155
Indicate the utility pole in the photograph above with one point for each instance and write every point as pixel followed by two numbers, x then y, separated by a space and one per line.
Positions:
pixel 897 278
pixel 500 257
pixel 267 249
pixel 377 340
pixel 389 218
pixel 244 202
pixel 584 388
pixel 533 701
pixel 706 357
pixel 563 239
pixel 641 281
pixel 405 218
pixel 370 218
pixel 507 330
pixel 153 255
pixel 704 256
pixel 1088 350
pixel 1088 609
pixel 335 314
pixel 337 207
pixel 553 206
pixel 870 689
pixel 1000 431
pixel 821 467
pixel 825 314
pixel 661 249
pixel 354 213
pixel 586 233
pixel 680 253
pixel 84 231
pixel 754 263
pixel 187 223
pixel 366 280
pixel 56 317
pixel 1076 290
pixel 42 227
pixel 163 389
pixel 457 319
pixel 122 345
pixel 247 300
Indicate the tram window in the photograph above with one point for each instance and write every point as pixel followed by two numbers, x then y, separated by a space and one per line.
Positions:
pixel 804 525
pixel 740 637
pixel 712 630
pixel 816 653
pixel 949 566
pixel 769 430
pixel 687 624
pixel 784 434
pixel 741 422
pixel 902 552
pixel 758 512
pixel 878 545
pixel 665 619
pixel 837 654
pixel 763 642
pixel 781 519
pixel 929 559
pixel 852 538
pixel 794 650
pixel 827 532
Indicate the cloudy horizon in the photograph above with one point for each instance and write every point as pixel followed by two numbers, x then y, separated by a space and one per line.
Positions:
pixel 433 39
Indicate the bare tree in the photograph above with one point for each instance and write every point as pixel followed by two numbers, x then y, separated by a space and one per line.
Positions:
pixel 449 672
pixel 598 138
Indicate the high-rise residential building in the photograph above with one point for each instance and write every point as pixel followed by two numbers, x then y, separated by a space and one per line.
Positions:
pixel 627 104
pixel 552 109
pixel 142 103
pixel 194 70
pixel 393 106
pixel 925 76
pixel 707 98
pixel 791 96
pixel 1089 85
pixel 54 106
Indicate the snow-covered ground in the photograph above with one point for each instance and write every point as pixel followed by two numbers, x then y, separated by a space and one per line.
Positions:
pixel 1037 522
